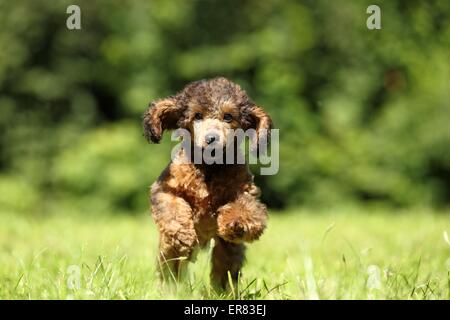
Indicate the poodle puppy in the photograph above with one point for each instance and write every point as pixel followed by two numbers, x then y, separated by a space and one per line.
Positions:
pixel 192 202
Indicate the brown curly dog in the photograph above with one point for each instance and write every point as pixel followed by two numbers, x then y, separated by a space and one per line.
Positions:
pixel 195 202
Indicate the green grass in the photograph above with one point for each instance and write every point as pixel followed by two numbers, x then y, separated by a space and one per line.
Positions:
pixel 303 255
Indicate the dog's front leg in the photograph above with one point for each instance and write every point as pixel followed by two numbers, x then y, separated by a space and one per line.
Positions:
pixel 177 236
pixel 242 220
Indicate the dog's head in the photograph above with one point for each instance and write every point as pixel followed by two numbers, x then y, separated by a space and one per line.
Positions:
pixel 207 109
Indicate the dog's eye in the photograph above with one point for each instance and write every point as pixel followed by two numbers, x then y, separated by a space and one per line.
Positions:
pixel 227 117
pixel 198 116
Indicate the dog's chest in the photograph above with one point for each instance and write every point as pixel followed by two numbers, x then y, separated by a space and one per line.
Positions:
pixel 207 190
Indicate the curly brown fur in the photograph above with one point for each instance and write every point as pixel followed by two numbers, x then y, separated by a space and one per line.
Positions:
pixel 193 203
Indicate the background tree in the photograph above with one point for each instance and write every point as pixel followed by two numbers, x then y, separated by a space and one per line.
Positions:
pixel 363 114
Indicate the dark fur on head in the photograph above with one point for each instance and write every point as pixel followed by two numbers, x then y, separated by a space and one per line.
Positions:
pixel 211 98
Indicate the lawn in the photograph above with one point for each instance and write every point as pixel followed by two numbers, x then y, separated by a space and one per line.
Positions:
pixel 336 254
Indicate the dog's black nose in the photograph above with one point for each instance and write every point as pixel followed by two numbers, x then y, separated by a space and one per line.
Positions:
pixel 210 138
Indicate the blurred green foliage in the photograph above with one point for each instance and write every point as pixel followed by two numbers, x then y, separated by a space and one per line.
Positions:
pixel 363 114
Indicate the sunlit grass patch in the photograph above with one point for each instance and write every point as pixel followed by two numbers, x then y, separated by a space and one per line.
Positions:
pixel 343 254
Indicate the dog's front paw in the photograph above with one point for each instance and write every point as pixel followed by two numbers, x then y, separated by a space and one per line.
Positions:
pixel 238 229
pixel 233 231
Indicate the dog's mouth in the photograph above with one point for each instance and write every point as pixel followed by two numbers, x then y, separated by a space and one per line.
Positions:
pixel 211 152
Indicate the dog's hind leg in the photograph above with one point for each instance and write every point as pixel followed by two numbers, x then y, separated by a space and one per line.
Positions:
pixel 227 258
pixel 177 239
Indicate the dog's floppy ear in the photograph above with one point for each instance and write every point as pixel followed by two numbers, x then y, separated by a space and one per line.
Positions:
pixel 161 115
pixel 261 122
